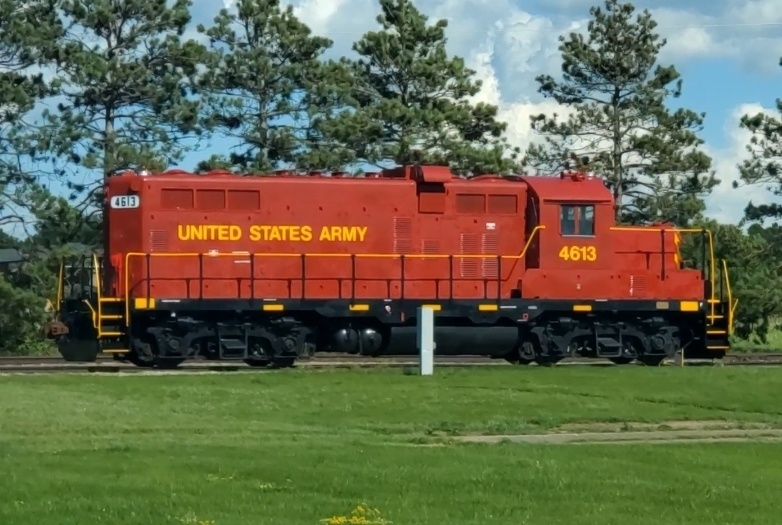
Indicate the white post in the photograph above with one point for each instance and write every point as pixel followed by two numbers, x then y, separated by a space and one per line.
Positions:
pixel 425 330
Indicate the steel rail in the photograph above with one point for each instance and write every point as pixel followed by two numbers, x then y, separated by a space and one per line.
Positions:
pixel 107 364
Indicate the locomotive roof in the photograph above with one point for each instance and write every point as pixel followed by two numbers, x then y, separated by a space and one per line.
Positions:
pixel 569 187
pixel 572 186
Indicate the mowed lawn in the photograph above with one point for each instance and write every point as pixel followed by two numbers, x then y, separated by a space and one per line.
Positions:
pixel 299 446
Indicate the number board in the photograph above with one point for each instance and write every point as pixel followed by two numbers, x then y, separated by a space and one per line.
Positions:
pixel 578 253
pixel 125 201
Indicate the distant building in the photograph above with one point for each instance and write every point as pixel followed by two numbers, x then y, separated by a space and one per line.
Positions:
pixel 10 259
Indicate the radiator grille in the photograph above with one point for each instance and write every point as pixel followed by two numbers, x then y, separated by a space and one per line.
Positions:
pixel 430 247
pixel 490 245
pixel 158 241
pixel 403 235
pixel 637 285
pixel 468 245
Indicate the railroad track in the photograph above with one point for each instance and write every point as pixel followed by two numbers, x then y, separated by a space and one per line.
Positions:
pixel 107 364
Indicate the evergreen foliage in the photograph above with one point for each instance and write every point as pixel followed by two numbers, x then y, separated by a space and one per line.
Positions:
pixel 24 28
pixel 411 101
pixel 126 76
pixel 765 164
pixel 612 82
pixel 268 86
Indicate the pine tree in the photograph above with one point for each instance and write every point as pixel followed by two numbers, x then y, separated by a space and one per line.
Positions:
pixel 765 163
pixel 621 125
pixel 267 88
pixel 411 100
pixel 126 78
pixel 24 29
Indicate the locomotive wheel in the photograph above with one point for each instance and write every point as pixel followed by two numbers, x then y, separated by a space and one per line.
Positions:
pixel 143 355
pixel 168 363
pixel 515 359
pixel 261 351
pixel 547 361
pixel 519 361
pixel 257 362
pixel 524 355
pixel 283 362
pixel 141 363
pixel 164 363
pixel 651 360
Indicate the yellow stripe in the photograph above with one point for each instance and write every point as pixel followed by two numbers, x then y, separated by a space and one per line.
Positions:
pixel 488 307
pixel 688 306
pixel 142 302
pixel 582 308
pixel 273 308
pixel 435 307
pixel 359 307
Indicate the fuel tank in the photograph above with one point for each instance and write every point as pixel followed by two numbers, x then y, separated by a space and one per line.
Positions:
pixel 456 340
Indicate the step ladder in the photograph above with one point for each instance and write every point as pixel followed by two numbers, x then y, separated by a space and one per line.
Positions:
pixel 719 325
pixel 109 318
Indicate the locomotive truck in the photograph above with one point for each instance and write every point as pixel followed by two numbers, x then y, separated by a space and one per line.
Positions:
pixel 272 268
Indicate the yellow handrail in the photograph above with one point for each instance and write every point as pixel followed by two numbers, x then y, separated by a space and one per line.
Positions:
pixel 93 315
pixel 731 304
pixel 60 284
pixel 97 284
pixel 685 230
pixel 126 270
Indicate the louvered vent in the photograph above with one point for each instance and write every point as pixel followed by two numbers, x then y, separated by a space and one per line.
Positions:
pixel 468 245
pixel 430 247
pixel 637 285
pixel 490 245
pixel 158 241
pixel 403 235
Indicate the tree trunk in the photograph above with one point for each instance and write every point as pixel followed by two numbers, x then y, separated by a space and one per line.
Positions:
pixel 617 156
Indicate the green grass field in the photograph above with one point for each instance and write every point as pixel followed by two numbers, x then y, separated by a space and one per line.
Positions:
pixel 297 447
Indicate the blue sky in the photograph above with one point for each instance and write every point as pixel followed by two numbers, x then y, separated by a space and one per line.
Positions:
pixel 727 51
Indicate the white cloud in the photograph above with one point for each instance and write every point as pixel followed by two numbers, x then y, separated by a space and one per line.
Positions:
pixel 516 114
pixel 750 32
pixel 727 204
pixel 506 46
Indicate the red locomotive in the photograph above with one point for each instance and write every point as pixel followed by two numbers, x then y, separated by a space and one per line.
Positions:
pixel 266 269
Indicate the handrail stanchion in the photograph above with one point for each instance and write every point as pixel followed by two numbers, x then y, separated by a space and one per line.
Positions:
pixel 450 278
pixel 252 277
pixel 662 253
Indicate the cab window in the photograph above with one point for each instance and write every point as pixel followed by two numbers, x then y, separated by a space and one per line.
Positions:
pixel 577 219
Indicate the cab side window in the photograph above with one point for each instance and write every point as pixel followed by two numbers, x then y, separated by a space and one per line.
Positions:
pixel 577 219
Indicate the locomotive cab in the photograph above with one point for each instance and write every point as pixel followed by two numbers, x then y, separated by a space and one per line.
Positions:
pixel 574 245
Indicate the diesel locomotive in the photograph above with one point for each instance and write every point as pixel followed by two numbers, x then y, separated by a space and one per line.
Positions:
pixel 266 269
